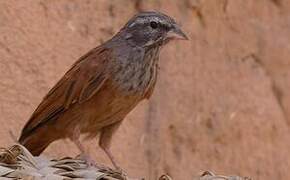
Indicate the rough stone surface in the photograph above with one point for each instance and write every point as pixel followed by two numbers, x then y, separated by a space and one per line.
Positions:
pixel 222 101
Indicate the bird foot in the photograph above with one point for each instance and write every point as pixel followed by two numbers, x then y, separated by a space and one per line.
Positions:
pixel 90 162
pixel 118 173
pixel 121 172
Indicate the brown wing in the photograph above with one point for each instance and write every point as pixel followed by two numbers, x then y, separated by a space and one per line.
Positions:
pixel 81 82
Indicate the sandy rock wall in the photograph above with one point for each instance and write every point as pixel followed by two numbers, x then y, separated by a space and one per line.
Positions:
pixel 222 100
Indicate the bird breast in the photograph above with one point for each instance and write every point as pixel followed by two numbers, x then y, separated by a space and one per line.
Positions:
pixel 136 71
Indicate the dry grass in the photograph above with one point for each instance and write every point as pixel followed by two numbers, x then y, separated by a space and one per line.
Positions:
pixel 17 163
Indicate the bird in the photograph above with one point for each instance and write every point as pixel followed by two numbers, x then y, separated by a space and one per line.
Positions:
pixel 102 87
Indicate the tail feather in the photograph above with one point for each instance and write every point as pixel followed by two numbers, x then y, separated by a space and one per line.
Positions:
pixel 36 142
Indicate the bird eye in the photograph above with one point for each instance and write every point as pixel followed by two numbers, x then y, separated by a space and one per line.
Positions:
pixel 153 24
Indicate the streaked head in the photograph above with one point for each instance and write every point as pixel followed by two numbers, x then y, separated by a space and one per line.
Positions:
pixel 152 28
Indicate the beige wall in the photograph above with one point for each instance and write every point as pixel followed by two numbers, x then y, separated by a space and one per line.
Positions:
pixel 222 101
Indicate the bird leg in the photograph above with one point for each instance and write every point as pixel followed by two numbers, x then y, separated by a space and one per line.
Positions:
pixel 84 155
pixel 106 149
pixel 105 141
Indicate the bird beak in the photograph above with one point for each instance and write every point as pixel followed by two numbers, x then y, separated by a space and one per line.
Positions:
pixel 176 33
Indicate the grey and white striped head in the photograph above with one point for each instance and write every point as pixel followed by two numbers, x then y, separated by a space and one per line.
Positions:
pixel 152 28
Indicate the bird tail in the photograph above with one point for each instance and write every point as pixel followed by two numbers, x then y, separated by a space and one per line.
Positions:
pixel 35 142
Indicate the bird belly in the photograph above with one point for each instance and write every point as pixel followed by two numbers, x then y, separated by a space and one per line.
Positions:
pixel 107 107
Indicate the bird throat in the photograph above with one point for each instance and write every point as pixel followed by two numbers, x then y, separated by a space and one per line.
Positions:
pixel 140 72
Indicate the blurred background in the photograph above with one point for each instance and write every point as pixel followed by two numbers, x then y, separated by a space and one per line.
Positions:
pixel 222 100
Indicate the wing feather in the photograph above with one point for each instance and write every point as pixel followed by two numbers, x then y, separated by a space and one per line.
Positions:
pixel 84 79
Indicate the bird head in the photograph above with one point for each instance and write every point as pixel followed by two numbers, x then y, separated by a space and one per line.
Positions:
pixel 152 29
